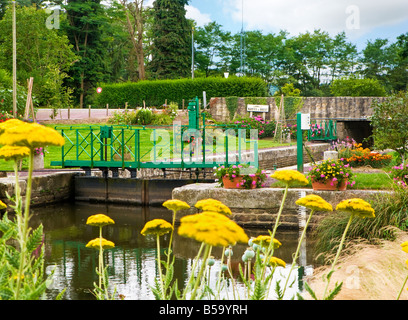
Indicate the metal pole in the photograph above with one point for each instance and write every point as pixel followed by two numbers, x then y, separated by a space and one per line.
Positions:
pixel 192 54
pixel 14 62
pixel 299 143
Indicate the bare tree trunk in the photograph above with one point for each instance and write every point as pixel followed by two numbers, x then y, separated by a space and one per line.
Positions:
pixel 136 10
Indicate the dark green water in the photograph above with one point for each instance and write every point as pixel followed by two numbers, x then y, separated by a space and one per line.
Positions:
pixel 132 263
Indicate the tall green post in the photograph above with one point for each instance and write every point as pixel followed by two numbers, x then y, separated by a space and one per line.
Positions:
pixel 299 142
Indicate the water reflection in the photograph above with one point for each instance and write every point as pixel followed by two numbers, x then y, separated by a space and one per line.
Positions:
pixel 132 262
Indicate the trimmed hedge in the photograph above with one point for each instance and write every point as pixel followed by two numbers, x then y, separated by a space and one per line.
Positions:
pixel 155 92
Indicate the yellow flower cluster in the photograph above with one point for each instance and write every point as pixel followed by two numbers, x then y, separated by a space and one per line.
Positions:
pixel 314 202
pixel 31 135
pixel 100 242
pixel 157 227
pixel 289 177
pixel 264 241
pixel 13 153
pixel 404 246
pixel 276 262
pixel 176 205
pixel 2 205
pixel 212 228
pixel 213 205
pixel 357 207
pixel 99 220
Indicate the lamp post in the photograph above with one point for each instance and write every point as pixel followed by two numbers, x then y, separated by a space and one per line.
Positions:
pixel 192 54
pixel 14 62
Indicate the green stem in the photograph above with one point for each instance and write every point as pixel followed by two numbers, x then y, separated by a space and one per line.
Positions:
pixel 171 239
pixel 297 251
pixel 24 223
pixel 271 247
pixel 218 285
pixel 190 281
pixel 159 263
pixel 337 255
pixel 17 188
pixel 200 273
pixel 402 288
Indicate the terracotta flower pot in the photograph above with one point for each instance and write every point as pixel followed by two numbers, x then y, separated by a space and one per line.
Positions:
pixel 235 183
pixel 327 185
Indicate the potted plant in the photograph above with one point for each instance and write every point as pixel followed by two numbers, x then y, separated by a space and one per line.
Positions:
pixel 331 175
pixel 241 176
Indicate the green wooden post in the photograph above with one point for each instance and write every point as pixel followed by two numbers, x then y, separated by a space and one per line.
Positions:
pixel 299 143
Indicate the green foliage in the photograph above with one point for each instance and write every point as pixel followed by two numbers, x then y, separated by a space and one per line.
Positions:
pixel 155 92
pixel 390 210
pixel 353 87
pixel 390 123
pixel 171 47
pixel 232 106
pixel 144 116
pixel 84 25
pixel 43 53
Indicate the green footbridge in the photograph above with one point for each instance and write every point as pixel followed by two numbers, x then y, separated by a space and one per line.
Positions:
pixel 193 146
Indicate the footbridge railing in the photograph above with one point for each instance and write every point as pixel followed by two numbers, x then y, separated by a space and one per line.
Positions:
pixel 135 147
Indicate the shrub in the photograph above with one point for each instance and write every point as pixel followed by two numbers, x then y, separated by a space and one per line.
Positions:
pixel 155 92
pixel 144 116
pixel 400 174
pixel 357 88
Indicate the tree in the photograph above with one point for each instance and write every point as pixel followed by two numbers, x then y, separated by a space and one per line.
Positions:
pixel 171 48
pixel 353 87
pixel 390 123
pixel 134 23
pixel 85 19
pixel 210 41
pixel 42 53
pixel 378 58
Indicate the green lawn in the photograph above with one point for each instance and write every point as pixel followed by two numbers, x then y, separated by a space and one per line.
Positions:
pixel 364 181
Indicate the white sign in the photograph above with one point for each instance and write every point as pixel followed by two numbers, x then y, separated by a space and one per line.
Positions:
pixel 257 108
pixel 305 121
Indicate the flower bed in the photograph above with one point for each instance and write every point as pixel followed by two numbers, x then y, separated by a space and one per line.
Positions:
pixel 351 152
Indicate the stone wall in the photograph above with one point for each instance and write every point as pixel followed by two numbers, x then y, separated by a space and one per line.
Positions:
pixel 258 208
pixel 46 189
pixel 351 108
pixel 287 156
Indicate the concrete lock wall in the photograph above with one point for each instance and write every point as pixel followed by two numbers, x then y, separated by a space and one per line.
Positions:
pixel 258 208
pixel 351 108
pixel 127 191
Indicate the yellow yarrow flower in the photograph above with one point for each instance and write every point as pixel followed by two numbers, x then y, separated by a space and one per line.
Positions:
pixel 30 135
pixel 9 124
pixel 264 241
pixel 289 177
pixel 2 205
pixel 99 220
pixel 157 227
pixel 100 242
pixel 276 262
pixel 176 205
pixel 13 153
pixel 314 202
pixel 404 246
pixel 212 228
pixel 213 205
pixel 357 207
